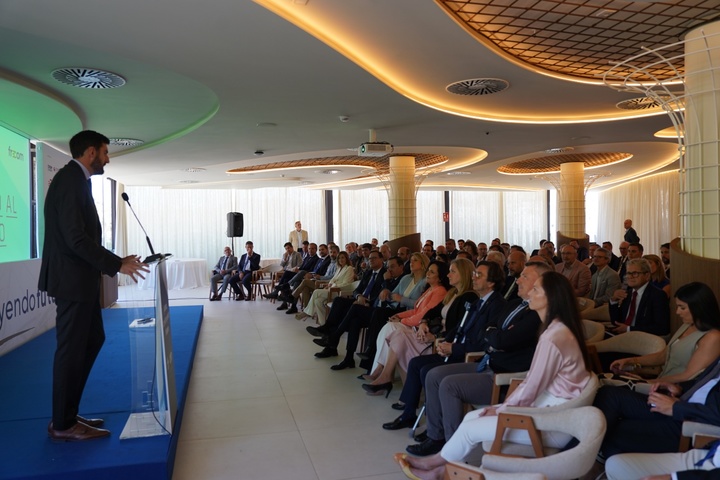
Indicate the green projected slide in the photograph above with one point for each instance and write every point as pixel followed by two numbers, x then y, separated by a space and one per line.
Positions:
pixel 15 215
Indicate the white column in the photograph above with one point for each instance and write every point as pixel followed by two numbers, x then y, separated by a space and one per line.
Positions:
pixel 401 197
pixel 700 176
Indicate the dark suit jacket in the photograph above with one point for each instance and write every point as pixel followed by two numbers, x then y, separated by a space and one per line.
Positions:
pixel 713 474
pixel 322 266
pixel 631 236
pixel 615 263
pixel 474 328
pixel 512 349
pixel 652 315
pixel 377 286
pixel 254 262
pixel 72 257
pixel 513 294
pixel 308 263
pixel 455 313
pixel 708 412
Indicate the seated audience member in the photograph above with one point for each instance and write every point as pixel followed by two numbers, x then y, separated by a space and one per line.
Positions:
pixel 361 263
pixel 582 252
pixel 591 251
pixel 249 262
pixel 305 283
pixel 467 337
pixel 405 343
pixel 351 251
pixel 385 252
pixel 482 251
pixel 436 290
pixel 653 423
pixel 366 291
pixel 695 345
pixel 634 251
pixel 515 265
pixel 641 306
pixel 290 259
pixel 472 249
pixel 574 270
pixel 305 250
pixel 403 254
pixel 464 254
pixel 451 248
pixel 222 271
pixel 308 264
pixel 497 257
pixel 358 317
pixel 559 372
pixel 403 297
pixel 343 279
pixel 428 251
pixel 537 250
pixel 548 251
pixel 614 259
pixel 696 464
pixel 509 342
pixel 657 274
pixel 314 265
pixel 605 281
pixel 374 242
pixel 665 256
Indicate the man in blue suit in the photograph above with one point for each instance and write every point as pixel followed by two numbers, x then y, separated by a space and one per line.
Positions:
pixel 249 263
pixel 73 259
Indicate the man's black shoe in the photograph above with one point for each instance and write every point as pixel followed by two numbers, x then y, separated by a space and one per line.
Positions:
pixel 272 295
pixel 291 310
pixel 347 363
pixel 327 352
pixel 322 341
pixel 283 306
pixel 315 331
pixel 428 447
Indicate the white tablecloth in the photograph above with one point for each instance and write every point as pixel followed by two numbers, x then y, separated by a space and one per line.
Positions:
pixel 181 273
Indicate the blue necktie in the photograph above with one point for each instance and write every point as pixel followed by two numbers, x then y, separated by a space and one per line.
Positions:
pixel 468 324
pixel 711 453
pixel 370 285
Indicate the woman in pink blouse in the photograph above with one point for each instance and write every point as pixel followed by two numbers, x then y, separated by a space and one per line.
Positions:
pixel 385 362
pixel 559 371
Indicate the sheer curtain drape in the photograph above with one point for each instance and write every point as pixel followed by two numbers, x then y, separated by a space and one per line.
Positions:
pixel 193 223
pixel 518 218
pixel 653 204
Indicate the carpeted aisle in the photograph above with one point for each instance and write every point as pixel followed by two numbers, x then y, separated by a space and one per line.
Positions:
pixel 25 393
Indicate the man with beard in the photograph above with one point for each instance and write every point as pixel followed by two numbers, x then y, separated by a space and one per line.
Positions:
pixel 72 261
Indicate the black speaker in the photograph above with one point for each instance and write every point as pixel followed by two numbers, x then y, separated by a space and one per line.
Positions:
pixel 234 224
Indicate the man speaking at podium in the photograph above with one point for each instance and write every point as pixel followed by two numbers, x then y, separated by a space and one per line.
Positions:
pixel 72 261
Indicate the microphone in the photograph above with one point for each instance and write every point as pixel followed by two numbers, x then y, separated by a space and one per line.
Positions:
pixel 154 256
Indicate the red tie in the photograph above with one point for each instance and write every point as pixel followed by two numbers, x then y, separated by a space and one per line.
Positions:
pixel 631 312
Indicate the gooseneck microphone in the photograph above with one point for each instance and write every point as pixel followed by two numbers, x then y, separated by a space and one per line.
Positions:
pixel 154 256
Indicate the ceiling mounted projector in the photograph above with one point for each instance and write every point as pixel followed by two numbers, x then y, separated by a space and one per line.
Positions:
pixel 375 149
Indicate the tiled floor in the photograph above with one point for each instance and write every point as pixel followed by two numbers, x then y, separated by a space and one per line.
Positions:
pixel 261 406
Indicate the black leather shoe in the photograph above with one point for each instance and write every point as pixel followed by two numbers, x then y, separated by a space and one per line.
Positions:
pixel 322 341
pixel 327 352
pixel 315 331
pixel 347 363
pixel 291 310
pixel 400 422
pixel 398 406
pixel 428 447
pixel 283 306
pixel 421 437
pixel 271 296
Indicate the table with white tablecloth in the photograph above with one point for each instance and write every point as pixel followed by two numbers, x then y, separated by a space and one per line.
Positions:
pixel 181 273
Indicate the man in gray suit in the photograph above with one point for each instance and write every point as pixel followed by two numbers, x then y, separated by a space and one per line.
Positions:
pixel 222 271
pixel 605 280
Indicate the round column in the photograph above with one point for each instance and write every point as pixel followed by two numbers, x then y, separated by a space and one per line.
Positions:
pixel 700 176
pixel 571 200
pixel 401 197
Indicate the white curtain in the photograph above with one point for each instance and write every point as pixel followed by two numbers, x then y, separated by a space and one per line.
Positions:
pixel 518 218
pixel 652 203
pixel 430 207
pixel 360 215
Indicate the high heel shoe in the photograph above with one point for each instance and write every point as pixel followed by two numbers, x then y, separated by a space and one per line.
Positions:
pixel 378 389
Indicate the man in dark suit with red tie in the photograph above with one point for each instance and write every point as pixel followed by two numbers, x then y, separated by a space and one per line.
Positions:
pixel 249 263
pixel 72 261
pixel 641 306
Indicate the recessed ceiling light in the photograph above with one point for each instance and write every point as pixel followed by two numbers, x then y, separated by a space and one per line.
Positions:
pixel 559 150
pixel 189 181
pixel 88 78
pixel 194 169
pixel 457 173
pixel 266 124
pixel 305 182
pixel 331 172
pixel 126 142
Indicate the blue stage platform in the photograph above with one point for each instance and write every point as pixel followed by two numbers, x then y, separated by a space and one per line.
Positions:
pixel 26 452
